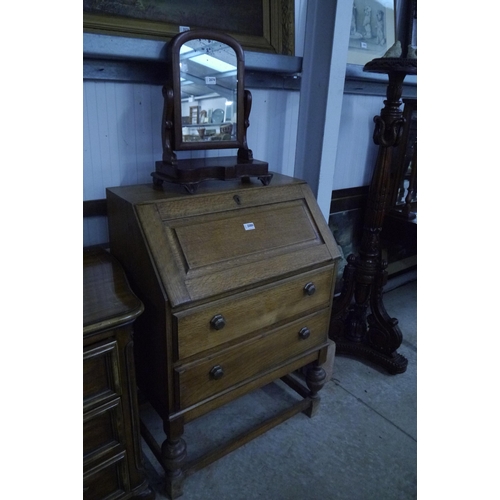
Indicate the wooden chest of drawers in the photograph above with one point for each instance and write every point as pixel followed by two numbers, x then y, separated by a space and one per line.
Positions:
pixel 112 463
pixel 237 283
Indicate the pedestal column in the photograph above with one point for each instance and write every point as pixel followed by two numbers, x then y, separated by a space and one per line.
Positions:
pixel 360 325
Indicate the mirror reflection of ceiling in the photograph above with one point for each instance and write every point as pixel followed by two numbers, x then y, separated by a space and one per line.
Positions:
pixel 207 68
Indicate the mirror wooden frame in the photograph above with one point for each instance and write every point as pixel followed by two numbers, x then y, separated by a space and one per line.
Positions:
pixel 173 82
pixel 190 172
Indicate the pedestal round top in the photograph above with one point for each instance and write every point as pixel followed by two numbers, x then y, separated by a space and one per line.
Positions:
pixel 392 65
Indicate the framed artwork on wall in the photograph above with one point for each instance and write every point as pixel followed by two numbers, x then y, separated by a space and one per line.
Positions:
pixel 373 30
pixel 258 25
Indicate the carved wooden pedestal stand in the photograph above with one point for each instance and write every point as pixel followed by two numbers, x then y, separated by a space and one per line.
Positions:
pixel 374 336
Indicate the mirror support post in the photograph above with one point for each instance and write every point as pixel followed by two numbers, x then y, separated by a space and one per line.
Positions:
pixel 167 126
pixel 243 152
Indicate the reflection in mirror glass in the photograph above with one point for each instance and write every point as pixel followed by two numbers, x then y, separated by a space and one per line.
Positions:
pixel 208 74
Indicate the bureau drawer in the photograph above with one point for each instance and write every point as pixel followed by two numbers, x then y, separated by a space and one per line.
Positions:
pixel 101 373
pixel 205 327
pixel 102 430
pixel 200 380
pixel 108 480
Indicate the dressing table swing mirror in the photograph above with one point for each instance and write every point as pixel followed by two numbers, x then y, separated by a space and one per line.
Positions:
pixel 206 107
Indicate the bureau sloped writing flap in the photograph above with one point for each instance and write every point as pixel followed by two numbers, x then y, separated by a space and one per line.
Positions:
pixel 245 238
pixel 240 248
pixel 206 241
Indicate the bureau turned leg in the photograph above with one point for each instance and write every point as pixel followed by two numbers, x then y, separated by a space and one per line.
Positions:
pixel 173 451
pixel 315 380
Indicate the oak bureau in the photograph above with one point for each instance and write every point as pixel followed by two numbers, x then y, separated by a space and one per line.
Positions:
pixel 237 284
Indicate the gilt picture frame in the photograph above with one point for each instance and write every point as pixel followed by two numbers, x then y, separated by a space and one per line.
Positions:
pixel 372 31
pixel 258 25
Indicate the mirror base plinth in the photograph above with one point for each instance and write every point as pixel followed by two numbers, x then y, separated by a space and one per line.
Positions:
pixel 189 173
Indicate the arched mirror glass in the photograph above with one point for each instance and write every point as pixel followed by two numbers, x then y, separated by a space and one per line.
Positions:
pixel 208 91
pixel 207 80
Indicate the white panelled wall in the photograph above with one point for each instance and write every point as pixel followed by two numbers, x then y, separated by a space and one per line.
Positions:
pixel 122 139
pixel 274 138
pixel 356 153
pixel 121 134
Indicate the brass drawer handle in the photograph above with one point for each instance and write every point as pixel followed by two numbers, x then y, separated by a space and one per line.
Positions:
pixel 217 372
pixel 304 333
pixel 218 322
pixel 310 288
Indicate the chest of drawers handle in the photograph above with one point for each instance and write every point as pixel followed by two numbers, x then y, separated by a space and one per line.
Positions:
pixel 309 288
pixel 304 333
pixel 217 372
pixel 218 322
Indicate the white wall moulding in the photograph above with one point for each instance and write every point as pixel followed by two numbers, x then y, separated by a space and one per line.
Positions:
pixel 115 58
pixel 375 88
pixel 355 72
pixel 97 46
pixel 134 60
